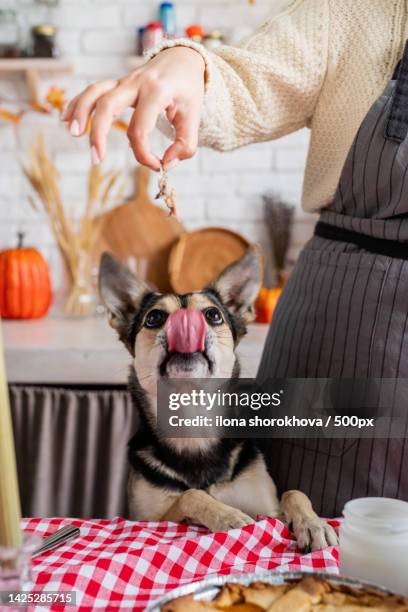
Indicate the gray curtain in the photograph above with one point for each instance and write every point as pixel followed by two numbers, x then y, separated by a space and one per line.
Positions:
pixel 71 447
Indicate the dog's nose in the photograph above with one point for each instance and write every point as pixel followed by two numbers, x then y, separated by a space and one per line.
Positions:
pixel 185 330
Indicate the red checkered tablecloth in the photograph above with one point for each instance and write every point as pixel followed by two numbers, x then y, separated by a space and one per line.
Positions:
pixel 120 564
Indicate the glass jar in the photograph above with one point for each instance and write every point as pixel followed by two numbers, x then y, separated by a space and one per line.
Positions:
pixel 139 40
pixel 168 19
pixel 15 571
pixel 82 300
pixel 195 32
pixel 9 33
pixel 213 40
pixel 374 542
pixel 44 41
pixel 152 35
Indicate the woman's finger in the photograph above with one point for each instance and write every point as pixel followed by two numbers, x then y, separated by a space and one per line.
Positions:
pixel 83 106
pixel 185 145
pixel 108 108
pixel 148 108
pixel 68 110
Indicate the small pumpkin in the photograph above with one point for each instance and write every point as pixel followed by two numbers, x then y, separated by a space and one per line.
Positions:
pixel 25 285
pixel 266 304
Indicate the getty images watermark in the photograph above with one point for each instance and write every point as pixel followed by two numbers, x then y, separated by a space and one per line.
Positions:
pixel 199 398
pixel 283 408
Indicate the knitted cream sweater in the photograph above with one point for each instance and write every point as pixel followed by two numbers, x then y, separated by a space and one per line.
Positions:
pixel 320 64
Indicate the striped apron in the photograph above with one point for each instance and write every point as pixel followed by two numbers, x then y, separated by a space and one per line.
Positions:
pixel 344 310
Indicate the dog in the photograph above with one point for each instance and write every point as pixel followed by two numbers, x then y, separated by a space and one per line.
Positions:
pixel 219 483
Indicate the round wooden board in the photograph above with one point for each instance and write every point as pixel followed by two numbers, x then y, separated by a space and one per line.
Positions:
pixel 142 231
pixel 199 257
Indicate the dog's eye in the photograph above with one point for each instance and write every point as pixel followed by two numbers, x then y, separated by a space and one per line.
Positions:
pixel 155 318
pixel 213 316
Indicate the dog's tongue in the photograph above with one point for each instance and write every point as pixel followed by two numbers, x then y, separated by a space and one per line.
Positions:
pixel 185 331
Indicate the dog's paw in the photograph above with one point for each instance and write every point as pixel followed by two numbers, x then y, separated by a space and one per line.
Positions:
pixel 312 533
pixel 230 518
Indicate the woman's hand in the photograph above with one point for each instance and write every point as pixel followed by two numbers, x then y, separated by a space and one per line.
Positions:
pixel 173 82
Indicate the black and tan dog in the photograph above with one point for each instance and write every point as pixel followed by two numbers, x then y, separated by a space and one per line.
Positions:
pixel 221 484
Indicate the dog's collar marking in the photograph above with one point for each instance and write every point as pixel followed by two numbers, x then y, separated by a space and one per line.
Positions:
pixel 153 472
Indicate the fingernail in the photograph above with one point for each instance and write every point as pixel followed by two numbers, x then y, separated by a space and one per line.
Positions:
pixel 172 164
pixel 74 128
pixel 95 157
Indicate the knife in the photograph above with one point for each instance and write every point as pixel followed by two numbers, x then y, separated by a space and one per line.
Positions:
pixel 57 539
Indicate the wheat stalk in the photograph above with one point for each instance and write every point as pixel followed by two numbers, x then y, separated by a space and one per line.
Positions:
pixel 76 244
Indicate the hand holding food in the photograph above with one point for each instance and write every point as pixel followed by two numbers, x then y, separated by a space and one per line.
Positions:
pixel 172 82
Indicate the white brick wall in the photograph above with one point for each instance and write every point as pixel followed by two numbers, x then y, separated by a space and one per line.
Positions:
pixel 224 189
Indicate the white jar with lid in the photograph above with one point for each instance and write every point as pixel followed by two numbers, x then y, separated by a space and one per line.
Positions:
pixel 374 542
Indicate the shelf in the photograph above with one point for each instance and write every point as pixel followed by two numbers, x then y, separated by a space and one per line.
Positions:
pixel 135 61
pixel 31 67
pixel 35 63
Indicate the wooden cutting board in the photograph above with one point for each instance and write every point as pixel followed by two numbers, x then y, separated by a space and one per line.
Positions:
pixel 140 232
pixel 199 257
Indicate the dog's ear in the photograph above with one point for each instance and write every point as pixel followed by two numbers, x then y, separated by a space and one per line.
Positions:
pixel 121 291
pixel 239 284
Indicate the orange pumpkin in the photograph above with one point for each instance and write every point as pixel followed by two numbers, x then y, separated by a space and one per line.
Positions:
pixel 266 303
pixel 25 285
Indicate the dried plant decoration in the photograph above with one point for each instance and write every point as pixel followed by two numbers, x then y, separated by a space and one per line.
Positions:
pixel 279 222
pixel 76 239
pixel 166 192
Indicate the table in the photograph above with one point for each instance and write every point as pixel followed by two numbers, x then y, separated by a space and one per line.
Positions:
pixel 65 351
pixel 128 565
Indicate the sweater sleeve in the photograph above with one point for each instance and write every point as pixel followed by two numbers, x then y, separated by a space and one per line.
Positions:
pixel 268 86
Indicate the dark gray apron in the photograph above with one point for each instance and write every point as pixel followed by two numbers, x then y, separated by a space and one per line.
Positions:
pixel 344 310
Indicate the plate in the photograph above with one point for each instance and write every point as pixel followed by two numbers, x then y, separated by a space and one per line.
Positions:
pixel 199 257
pixel 207 589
